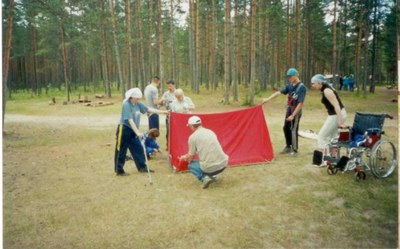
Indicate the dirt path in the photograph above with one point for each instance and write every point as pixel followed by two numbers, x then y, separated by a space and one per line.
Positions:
pixel 103 121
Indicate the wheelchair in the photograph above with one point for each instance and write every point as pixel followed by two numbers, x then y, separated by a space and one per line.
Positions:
pixel 361 148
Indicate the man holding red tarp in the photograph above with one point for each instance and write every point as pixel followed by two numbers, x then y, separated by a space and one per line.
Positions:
pixel 213 159
pixel 243 135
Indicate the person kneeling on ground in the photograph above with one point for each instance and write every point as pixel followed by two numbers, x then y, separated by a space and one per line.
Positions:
pixel 212 159
pixel 150 142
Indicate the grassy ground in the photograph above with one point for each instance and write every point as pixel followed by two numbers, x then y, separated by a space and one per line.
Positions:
pixel 60 190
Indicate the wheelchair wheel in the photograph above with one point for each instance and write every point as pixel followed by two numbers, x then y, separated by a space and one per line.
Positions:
pixel 360 175
pixel 383 159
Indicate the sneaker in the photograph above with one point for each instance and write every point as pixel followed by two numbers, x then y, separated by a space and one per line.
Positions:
pixel 122 174
pixel 145 170
pixel 293 153
pixel 286 150
pixel 206 181
pixel 214 178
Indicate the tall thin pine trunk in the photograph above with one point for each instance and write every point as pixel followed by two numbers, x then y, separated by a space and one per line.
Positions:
pixel 141 44
pixel 198 56
pixel 357 70
pixel 334 50
pixel 129 43
pixel 252 49
pixel 297 34
pixel 116 47
pixel 160 46
pixel 227 49
pixel 65 62
pixel 288 36
pixel 235 53
pixel 104 54
pixel 6 56
pixel 173 52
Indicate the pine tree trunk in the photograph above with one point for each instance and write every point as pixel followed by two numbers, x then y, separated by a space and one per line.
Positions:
pixel 235 53
pixel 141 44
pixel 297 32
pixel 344 68
pixel 160 46
pixel 173 52
pixel 104 54
pixel 288 36
pixel 65 62
pixel 192 46
pixel 334 50
pixel 198 56
pixel 116 47
pixel 374 50
pixel 227 49
pixel 6 56
pixel 129 43
pixel 252 49
pixel 357 69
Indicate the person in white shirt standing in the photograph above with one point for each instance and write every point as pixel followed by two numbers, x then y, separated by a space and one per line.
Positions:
pixel 212 159
pixel 182 104
pixel 153 101
pixel 167 98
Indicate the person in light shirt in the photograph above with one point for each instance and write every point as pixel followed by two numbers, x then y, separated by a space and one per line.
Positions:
pixel 182 104
pixel 212 158
pixel 167 99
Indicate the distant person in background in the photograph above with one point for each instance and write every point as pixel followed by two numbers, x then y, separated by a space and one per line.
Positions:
pixel 296 92
pixel 351 83
pixel 182 104
pixel 152 100
pixel 167 98
pixel 212 159
pixel 340 83
pixel 336 112
pixel 346 82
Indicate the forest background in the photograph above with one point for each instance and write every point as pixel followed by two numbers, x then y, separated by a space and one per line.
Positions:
pixel 99 45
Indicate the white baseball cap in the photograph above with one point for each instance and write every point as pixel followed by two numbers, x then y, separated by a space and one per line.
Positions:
pixel 194 120
pixel 133 93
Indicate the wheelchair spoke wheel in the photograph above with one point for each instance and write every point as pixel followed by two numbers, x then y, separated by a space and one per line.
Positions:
pixel 383 159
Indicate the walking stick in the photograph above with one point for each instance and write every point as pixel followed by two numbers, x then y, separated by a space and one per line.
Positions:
pixel 147 162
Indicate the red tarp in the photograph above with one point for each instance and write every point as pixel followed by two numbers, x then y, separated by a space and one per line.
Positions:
pixel 243 135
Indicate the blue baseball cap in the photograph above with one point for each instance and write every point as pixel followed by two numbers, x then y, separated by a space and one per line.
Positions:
pixel 292 72
pixel 318 78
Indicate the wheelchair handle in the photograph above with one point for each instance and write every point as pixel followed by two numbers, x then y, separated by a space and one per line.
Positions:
pixel 388 116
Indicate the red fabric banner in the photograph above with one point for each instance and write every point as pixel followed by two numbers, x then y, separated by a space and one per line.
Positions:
pixel 243 135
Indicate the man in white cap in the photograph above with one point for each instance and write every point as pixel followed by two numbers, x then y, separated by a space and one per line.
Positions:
pixel 296 92
pixel 128 133
pixel 212 159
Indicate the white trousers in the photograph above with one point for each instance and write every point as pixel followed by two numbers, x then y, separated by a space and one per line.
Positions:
pixel 329 130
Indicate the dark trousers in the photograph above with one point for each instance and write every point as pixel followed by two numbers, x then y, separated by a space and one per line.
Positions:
pixel 154 121
pixel 291 131
pixel 127 139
